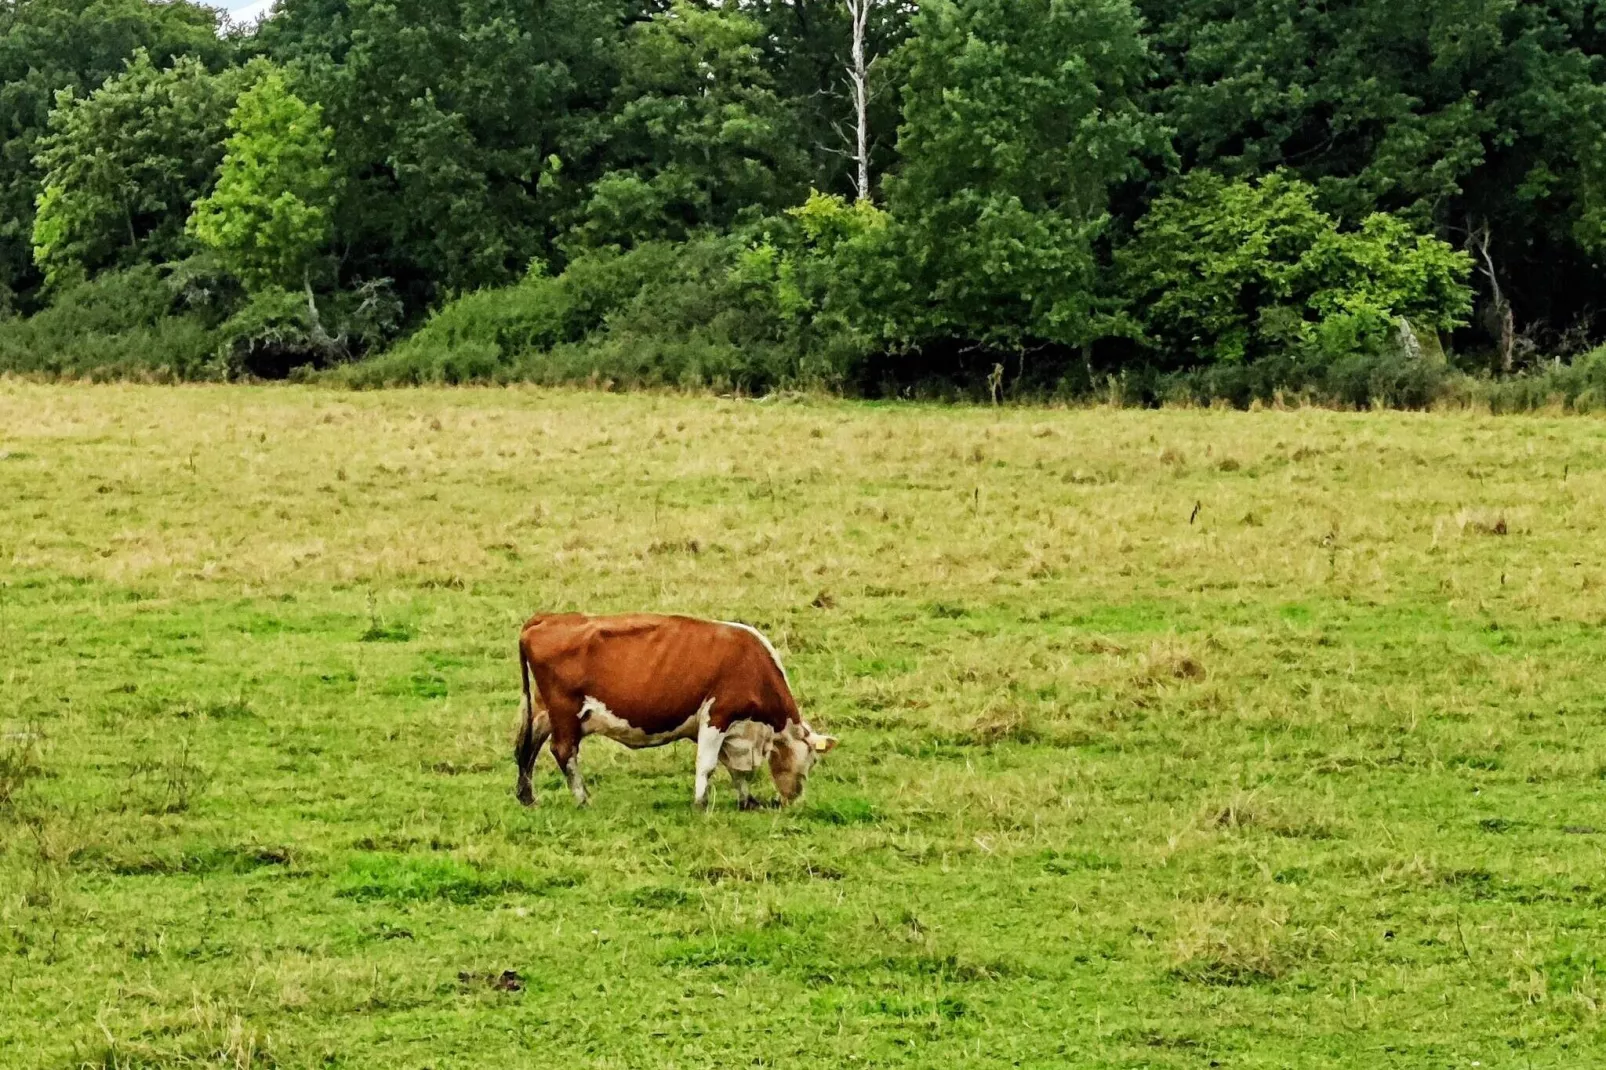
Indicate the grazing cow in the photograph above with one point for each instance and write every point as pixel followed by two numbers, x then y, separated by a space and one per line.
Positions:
pixel 647 680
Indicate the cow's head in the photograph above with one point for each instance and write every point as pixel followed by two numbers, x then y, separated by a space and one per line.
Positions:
pixel 793 754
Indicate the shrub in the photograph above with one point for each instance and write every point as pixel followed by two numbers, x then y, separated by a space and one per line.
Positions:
pixel 1579 387
pixel 276 333
pixel 121 324
pixel 1223 272
pixel 478 337
pixel 1362 379
pixel 712 312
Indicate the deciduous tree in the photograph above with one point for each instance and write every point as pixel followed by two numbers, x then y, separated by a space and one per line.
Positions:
pixel 1019 116
pixel 462 127
pixel 698 135
pixel 269 215
pixel 50 45
pixel 124 164
pixel 1482 116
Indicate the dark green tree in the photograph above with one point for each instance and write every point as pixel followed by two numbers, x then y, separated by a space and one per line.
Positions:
pixel 458 127
pixel 1019 117
pixel 51 45
pixel 698 135
pixel 1482 117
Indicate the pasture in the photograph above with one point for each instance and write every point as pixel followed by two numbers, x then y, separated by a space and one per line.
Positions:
pixel 1176 739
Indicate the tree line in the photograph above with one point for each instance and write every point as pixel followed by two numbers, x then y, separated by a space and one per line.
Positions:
pixel 1224 197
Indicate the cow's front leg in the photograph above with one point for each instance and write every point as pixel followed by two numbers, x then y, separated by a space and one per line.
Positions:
pixel 709 741
pixel 743 782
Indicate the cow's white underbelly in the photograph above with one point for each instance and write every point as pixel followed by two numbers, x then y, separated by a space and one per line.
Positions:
pixel 745 747
pixel 596 719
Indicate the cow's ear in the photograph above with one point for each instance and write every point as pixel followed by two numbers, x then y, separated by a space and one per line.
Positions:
pixel 823 743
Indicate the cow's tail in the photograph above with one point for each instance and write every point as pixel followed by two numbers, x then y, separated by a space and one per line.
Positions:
pixel 525 750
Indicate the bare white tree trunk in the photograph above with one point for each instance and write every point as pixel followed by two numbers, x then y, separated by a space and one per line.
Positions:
pixel 1504 323
pixel 858 76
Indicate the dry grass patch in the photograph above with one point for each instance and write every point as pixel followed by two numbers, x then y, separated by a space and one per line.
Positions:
pixel 1481 522
pixel 1003 722
pixel 207 1034
pixel 1219 943
pixel 1245 810
pixel 1167 662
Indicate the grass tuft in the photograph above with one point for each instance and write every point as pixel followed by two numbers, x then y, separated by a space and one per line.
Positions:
pixel 405 878
pixel 1481 522
pixel 848 810
pixel 20 765
pixel 1217 944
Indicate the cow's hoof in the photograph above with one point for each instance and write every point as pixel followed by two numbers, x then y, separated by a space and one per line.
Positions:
pixel 526 797
pixel 750 804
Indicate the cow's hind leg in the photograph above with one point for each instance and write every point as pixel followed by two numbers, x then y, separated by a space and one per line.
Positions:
pixel 567 753
pixel 534 729
pixel 566 735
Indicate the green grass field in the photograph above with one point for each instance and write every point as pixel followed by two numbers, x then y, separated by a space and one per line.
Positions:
pixel 1175 739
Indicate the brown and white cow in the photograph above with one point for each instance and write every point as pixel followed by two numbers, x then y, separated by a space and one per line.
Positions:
pixel 646 680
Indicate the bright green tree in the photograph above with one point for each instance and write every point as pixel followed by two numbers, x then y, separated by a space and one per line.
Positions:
pixel 270 213
pixel 124 164
pixel 1233 271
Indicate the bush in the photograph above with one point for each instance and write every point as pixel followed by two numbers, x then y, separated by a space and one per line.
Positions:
pixel 276 331
pixel 120 324
pixel 479 337
pixel 703 313
pixel 797 301
pixel 1386 379
pixel 1576 387
pixel 1223 272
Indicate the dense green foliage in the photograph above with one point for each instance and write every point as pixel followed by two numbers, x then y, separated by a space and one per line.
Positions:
pixel 464 129
pixel 1018 117
pixel 1456 116
pixel 696 136
pixel 119 324
pixel 47 46
pixel 1230 194
pixel 1241 271
pixel 124 164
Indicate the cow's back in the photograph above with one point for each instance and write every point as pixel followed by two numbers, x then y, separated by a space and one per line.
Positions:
pixel 657 672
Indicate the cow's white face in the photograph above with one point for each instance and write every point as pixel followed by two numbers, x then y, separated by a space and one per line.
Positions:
pixel 793 756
